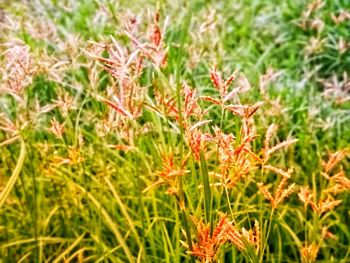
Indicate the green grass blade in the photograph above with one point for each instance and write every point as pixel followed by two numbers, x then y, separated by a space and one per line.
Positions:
pixel 124 211
pixel 10 184
pixel 109 222
pixel 68 249
pixel 207 192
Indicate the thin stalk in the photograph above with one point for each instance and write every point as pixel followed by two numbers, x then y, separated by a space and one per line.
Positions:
pixel 178 99
pixel 229 203
pixel 261 211
pixel 267 235
pixel 207 192
pixel 35 206
pixel 315 215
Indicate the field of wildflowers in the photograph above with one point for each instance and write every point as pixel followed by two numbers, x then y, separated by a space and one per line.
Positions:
pixel 174 131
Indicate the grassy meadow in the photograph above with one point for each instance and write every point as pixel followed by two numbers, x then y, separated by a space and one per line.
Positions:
pixel 174 131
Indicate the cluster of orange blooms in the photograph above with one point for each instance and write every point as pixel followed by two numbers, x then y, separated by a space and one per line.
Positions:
pixel 235 155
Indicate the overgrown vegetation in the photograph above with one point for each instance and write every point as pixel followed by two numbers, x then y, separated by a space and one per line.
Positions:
pixel 180 131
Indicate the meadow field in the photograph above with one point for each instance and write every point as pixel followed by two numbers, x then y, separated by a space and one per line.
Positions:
pixel 174 131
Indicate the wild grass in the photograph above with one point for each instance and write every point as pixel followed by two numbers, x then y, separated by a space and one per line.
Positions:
pixel 142 131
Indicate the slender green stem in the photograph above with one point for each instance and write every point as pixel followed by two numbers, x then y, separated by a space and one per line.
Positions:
pixel 261 214
pixel 181 121
pixel 267 235
pixel 207 191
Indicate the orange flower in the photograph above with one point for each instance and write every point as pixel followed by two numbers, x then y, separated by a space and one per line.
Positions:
pixel 309 253
pixel 280 194
pixel 225 232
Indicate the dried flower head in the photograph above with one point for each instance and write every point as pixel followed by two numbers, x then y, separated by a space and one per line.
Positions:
pixel 315 46
pixel 322 206
pixel 154 49
pixel 18 68
pixel 317 24
pixel 56 128
pixel 305 195
pixel 280 194
pixel 235 161
pixel 326 234
pixel 196 139
pixel 208 244
pixel 341 17
pixel 267 150
pixel 74 157
pixel 342 45
pixel 266 78
pixel 309 253
pixel 337 88
pixel 334 159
